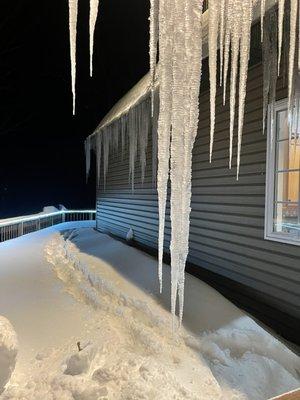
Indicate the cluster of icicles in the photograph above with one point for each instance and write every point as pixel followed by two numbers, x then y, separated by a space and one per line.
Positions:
pixel 177 28
pixel 129 134
pixel 73 16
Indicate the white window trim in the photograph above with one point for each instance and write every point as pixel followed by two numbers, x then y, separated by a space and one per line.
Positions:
pixel 270 179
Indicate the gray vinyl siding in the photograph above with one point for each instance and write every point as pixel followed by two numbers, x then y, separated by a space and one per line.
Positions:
pixel 227 218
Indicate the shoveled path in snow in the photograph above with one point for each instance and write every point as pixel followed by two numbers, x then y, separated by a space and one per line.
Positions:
pixel 33 299
pixel 105 294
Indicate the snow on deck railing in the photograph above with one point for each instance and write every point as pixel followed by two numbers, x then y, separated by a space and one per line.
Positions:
pixel 13 228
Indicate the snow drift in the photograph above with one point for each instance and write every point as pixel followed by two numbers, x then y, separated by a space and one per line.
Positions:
pixel 8 351
pixel 102 297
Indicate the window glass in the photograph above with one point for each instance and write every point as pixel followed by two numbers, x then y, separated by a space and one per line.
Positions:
pixel 286 202
pixel 287 188
pixel 288 155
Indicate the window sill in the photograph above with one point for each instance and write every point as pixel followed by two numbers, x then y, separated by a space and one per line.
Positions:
pixel 278 237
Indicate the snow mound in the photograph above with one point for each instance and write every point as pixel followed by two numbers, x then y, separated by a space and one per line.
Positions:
pixel 253 355
pixel 123 348
pixel 49 210
pixel 8 351
pixel 80 362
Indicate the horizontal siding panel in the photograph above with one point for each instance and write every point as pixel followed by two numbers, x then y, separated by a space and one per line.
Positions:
pixel 227 217
pixel 277 300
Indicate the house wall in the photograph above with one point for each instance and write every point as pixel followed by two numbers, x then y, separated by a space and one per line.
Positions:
pixel 227 246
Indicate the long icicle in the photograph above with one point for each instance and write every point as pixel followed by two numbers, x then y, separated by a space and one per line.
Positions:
pixel 94 5
pixel 269 58
pixel 227 36
pixel 154 12
pixel 98 155
pixel 244 61
pixel 292 49
pixel 262 17
pixel 166 26
pixel 294 72
pixel 235 47
pixel 177 146
pixel 223 5
pixel 73 14
pixel 194 70
pixel 280 29
pixel 87 146
pixel 214 13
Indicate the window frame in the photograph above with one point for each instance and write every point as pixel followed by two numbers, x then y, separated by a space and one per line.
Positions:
pixel 269 233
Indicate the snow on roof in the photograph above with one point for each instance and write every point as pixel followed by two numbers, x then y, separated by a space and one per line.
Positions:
pixel 142 88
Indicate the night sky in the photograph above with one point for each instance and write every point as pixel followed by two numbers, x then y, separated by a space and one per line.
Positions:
pixel 41 143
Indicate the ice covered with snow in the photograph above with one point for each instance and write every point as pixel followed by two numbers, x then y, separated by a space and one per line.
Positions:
pixel 8 351
pixel 65 285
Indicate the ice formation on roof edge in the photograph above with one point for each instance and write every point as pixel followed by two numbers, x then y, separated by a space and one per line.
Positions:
pixel 134 131
pixel 232 26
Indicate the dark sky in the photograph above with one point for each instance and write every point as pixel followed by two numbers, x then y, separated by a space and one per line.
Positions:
pixel 41 143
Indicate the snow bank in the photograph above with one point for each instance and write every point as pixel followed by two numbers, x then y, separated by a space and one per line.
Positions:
pixel 102 297
pixel 8 351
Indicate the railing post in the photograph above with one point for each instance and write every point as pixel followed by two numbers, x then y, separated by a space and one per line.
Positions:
pixel 63 217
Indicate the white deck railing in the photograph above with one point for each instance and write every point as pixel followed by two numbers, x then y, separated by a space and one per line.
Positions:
pixel 13 228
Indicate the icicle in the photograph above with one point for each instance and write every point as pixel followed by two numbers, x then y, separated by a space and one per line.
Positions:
pixel 187 59
pixel 166 40
pixel 154 138
pixel 178 145
pixel 214 14
pixel 262 16
pixel 94 5
pixel 244 61
pixel 280 29
pixel 123 134
pixel 143 136
pixel 194 36
pixel 235 46
pixel 223 5
pixel 106 138
pixel 73 13
pixel 133 135
pixel 98 155
pixel 293 70
pixel 292 50
pixel 154 10
pixel 270 47
pixel 87 156
pixel 228 17
pixel 115 137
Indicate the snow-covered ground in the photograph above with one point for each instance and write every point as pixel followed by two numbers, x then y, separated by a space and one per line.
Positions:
pixel 69 284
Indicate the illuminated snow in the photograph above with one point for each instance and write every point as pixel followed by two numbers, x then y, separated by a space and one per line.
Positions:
pixel 77 285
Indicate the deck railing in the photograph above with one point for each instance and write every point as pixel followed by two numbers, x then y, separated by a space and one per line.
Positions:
pixel 14 228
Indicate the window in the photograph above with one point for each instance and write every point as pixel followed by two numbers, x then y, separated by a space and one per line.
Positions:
pixel 282 218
